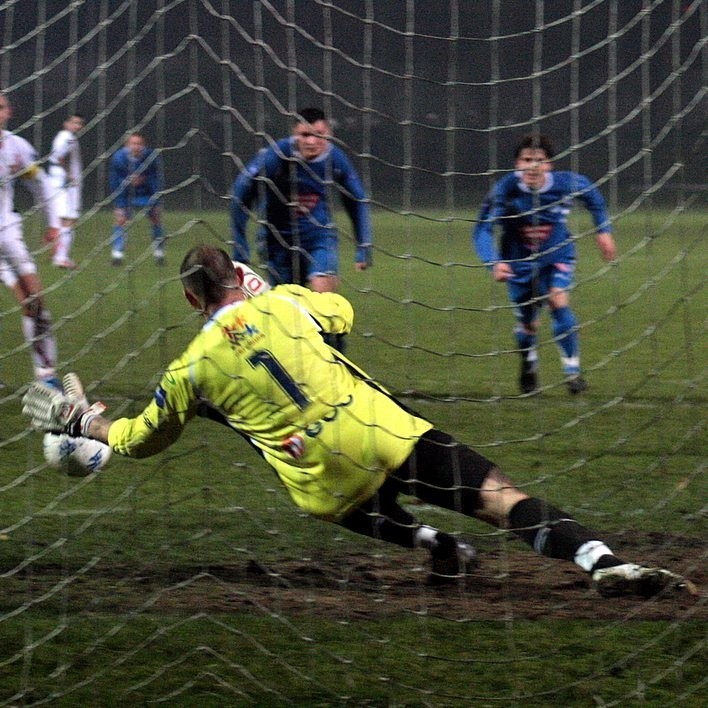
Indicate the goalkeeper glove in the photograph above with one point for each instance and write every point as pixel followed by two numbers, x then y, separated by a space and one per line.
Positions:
pixel 65 411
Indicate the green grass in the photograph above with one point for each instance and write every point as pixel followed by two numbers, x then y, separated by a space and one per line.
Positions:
pixel 102 598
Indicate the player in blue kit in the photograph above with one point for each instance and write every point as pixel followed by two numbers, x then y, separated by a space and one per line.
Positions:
pixel 291 183
pixel 537 254
pixel 135 181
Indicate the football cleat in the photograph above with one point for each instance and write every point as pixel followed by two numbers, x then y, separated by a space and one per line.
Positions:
pixel 66 263
pixel 116 258
pixel 528 381
pixel 451 564
pixel 528 378
pixel 159 255
pixel 633 579
pixel 576 384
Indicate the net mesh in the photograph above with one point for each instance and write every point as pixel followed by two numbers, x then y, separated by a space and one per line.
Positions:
pixel 191 575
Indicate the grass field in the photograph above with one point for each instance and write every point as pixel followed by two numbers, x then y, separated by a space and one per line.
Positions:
pixel 190 579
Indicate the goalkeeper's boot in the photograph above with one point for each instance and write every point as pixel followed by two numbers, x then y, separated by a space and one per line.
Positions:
pixel 528 377
pixel 576 384
pixel 633 579
pixel 451 561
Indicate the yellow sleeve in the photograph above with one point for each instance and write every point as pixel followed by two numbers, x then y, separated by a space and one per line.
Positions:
pixel 333 312
pixel 173 405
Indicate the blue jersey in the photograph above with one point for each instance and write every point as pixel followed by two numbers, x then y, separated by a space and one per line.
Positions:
pixel 297 208
pixel 534 224
pixel 134 181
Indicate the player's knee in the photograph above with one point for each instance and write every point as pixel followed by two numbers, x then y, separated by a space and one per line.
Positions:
pixel 498 495
pixel 324 283
pixel 563 320
pixel 32 306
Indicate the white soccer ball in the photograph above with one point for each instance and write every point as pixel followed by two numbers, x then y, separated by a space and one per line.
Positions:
pixel 76 457
pixel 250 281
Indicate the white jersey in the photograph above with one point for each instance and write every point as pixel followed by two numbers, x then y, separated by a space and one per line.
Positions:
pixel 18 160
pixel 65 174
pixel 66 156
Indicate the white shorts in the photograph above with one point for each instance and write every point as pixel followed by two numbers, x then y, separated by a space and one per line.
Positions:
pixel 14 254
pixel 67 198
pixel 7 277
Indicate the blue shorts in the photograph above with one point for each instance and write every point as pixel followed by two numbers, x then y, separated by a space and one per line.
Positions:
pixel 139 203
pixel 536 282
pixel 317 254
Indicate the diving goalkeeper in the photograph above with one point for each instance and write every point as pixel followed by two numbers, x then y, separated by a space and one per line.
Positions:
pixel 340 443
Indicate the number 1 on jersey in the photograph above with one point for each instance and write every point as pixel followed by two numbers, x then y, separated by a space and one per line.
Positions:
pixel 263 357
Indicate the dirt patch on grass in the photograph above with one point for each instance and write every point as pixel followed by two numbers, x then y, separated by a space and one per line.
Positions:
pixel 509 582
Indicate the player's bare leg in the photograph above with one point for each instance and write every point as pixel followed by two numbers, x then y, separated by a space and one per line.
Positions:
pixel 324 283
pixel 553 533
pixel 37 326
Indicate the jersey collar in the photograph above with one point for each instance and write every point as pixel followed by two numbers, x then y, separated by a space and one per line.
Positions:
pixel 320 158
pixel 544 187
pixel 216 315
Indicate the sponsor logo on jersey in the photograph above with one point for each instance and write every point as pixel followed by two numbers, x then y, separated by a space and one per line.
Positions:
pixel 533 236
pixel 306 202
pixel 294 446
pixel 240 332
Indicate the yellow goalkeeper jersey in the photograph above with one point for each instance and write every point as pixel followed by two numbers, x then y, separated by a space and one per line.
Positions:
pixel 262 367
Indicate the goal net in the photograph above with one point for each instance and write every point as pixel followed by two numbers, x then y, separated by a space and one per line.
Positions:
pixel 190 576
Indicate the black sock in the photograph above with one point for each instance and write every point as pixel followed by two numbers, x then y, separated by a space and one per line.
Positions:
pixel 551 532
pixel 606 561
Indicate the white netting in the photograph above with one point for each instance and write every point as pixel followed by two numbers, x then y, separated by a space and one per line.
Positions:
pixel 190 576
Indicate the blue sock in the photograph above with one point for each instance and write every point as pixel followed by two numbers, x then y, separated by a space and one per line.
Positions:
pixel 526 343
pixel 118 241
pixel 564 331
pixel 157 234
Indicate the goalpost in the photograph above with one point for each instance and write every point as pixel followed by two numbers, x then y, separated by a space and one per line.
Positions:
pixel 191 573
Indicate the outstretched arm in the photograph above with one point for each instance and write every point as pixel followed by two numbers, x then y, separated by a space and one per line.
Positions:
pixel 483 238
pixel 155 429
pixel 117 180
pixel 606 244
pixel 595 204
pixel 37 182
pixel 356 205
pixel 244 193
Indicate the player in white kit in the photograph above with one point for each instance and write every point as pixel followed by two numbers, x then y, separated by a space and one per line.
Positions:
pixel 18 271
pixel 65 169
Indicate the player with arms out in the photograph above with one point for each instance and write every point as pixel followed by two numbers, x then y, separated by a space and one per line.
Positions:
pixel 291 182
pixel 65 168
pixel 340 443
pixel 537 254
pixel 18 271
pixel 135 181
